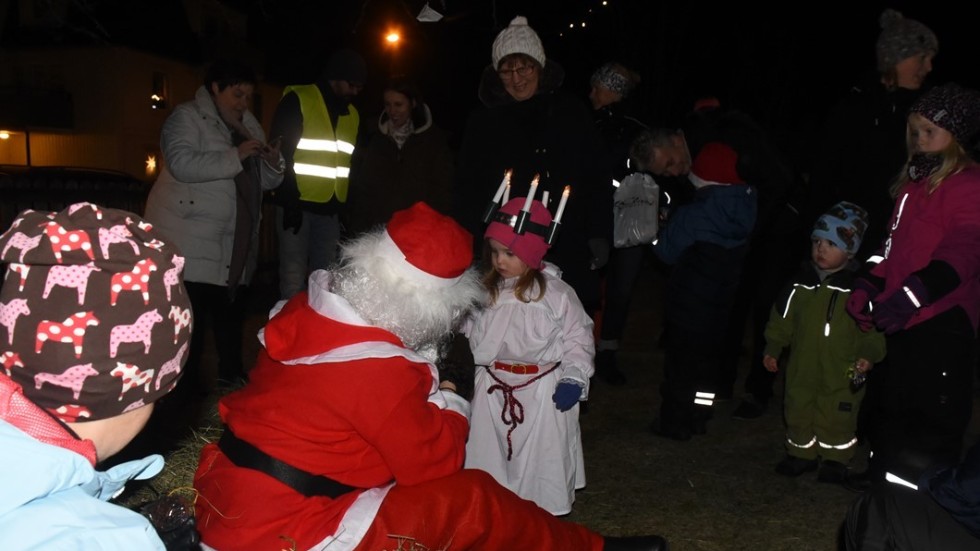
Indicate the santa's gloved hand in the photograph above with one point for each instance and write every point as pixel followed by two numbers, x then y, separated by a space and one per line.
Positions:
pixel 859 303
pixel 173 519
pixel 600 252
pixel 566 395
pixel 893 313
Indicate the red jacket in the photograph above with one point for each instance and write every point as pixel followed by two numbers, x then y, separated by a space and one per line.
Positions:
pixel 336 398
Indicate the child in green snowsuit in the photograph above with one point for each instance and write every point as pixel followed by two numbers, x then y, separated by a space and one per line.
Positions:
pixel 825 349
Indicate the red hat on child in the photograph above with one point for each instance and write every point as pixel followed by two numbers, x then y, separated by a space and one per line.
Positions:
pixel 427 246
pixel 529 247
pixel 716 163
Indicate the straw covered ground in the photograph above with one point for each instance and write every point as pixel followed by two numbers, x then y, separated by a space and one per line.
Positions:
pixel 715 492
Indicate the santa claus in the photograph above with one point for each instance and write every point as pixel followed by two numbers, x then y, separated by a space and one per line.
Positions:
pixel 345 438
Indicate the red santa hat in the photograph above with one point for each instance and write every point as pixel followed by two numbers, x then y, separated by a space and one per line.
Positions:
pixel 716 163
pixel 426 246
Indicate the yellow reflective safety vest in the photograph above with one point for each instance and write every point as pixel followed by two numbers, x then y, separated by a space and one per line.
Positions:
pixel 322 158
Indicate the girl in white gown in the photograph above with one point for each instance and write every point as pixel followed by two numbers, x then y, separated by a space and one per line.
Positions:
pixel 534 350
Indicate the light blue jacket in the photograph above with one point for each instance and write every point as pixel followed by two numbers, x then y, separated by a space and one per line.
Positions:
pixel 52 498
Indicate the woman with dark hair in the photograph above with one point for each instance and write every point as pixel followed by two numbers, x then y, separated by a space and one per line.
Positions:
pixel 404 160
pixel 207 201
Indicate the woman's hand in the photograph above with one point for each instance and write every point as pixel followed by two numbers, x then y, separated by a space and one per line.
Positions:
pixel 270 151
pixel 250 147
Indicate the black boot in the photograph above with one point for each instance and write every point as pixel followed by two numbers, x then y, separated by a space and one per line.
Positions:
pixel 605 367
pixel 635 543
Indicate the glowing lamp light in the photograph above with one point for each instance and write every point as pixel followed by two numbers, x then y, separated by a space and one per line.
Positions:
pixel 151 165
pixel 392 37
pixel 4 135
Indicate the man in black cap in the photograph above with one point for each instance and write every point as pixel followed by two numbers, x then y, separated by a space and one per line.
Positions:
pixel 318 128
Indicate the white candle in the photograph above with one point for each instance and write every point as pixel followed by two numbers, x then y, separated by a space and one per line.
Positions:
pixel 530 194
pixel 544 198
pixel 506 194
pixel 503 184
pixel 561 204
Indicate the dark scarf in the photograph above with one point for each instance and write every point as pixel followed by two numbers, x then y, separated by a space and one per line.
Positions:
pixel 248 195
pixel 922 165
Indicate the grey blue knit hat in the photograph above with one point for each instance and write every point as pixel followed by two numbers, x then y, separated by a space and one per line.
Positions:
pixel 518 38
pixel 843 225
pixel 902 38
pixel 953 108
pixel 615 77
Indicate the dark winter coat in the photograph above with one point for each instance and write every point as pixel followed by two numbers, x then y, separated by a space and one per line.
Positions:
pixel 385 179
pixel 861 151
pixel 551 135
pixel 706 242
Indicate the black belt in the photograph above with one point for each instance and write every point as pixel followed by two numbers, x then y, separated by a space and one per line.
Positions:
pixel 245 455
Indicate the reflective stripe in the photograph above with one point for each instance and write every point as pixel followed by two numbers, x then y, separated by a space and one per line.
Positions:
pixel 615 182
pixel 343 171
pixel 912 297
pixel 704 398
pixel 826 329
pixel 789 299
pixel 333 146
pixel 898 480
pixel 315 170
pixel 875 259
pixel 802 446
pixel 839 447
pixel 308 144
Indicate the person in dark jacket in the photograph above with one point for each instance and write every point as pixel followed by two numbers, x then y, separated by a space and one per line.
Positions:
pixel 532 127
pixel 318 128
pixel 611 85
pixel 941 512
pixel 862 147
pixel 404 160
pixel 705 243
pixel 777 229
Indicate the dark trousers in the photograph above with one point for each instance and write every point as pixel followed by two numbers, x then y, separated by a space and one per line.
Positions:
pixel 690 366
pixel 214 311
pixel 925 396
pixel 893 517
pixel 624 267
pixel 774 255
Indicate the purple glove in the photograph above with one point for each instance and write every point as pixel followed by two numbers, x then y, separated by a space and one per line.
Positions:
pixel 566 395
pixel 859 303
pixel 894 312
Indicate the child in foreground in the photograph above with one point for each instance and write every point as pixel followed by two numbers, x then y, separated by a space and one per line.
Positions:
pixel 827 352
pixel 534 352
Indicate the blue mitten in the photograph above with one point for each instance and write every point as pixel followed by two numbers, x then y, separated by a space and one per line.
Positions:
pixel 566 395
pixel 893 313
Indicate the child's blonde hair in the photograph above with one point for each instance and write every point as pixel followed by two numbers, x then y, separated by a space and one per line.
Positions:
pixel 526 282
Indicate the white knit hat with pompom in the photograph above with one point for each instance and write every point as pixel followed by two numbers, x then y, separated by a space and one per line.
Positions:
pixel 518 38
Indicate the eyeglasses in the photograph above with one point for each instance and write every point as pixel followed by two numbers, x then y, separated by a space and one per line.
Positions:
pixel 508 74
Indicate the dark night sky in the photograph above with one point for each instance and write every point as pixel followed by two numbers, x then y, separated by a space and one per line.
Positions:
pixel 784 64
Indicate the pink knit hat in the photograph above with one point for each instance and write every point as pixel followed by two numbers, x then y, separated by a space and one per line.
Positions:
pixel 531 246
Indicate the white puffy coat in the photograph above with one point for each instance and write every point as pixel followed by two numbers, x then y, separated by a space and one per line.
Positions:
pixel 193 202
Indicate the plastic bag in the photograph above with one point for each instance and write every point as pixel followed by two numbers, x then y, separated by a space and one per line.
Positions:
pixel 635 211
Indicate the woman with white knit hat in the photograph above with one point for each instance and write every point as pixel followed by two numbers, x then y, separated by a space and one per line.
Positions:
pixel 531 126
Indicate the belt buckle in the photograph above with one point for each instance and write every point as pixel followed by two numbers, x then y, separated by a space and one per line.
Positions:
pixel 523 369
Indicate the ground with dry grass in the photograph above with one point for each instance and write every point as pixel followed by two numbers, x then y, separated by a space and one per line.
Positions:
pixel 715 492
